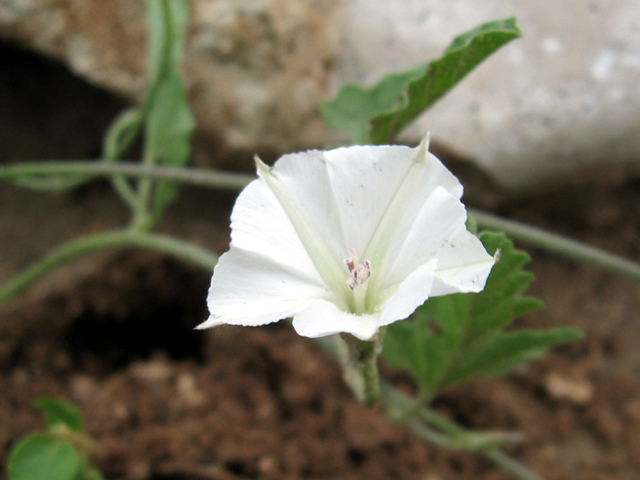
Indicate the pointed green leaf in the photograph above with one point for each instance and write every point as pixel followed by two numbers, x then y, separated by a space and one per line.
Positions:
pixel 502 300
pixel 424 346
pixel 507 350
pixel 354 107
pixel 41 456
pixel 169 131
pixel 58 411
pixel 459 337
pixel 404 349
pixel 375 115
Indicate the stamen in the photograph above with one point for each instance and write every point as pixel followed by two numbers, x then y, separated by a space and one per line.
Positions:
pixel 359 274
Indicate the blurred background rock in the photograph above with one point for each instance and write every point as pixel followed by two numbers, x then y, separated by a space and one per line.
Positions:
pixel 562 103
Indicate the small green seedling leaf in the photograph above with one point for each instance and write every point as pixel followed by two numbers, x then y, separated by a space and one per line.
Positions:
pixel 60 453
pixel 58 411
pixel 40 456
pixel 375 115
pixel 459 337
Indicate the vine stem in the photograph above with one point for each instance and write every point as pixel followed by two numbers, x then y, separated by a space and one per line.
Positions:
pixel 558 244
pixel 91 168
pixel 434 427
pixel 236 181
pixel 447 433
pixel 142 220
pixel 359 360
pixel 108 240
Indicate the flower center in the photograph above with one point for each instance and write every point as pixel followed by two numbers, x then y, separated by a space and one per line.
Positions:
pixel 359 274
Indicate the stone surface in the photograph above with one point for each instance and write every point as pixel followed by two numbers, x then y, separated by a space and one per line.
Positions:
pixel 257 69
pixel 563 101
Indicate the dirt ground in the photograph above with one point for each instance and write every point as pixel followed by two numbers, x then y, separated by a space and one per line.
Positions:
pixel 114 334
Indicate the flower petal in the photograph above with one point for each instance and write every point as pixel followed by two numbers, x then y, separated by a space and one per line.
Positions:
pixel 300 185
pixel 438 219
pixel 439 231
pixel 463 266
pixel 322 318
pixel 412 292
pixel 397 208
pixel 379 187
pixel 260 225
pixel 250 289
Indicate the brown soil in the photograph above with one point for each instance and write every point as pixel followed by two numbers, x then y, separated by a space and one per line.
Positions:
pixel 114 334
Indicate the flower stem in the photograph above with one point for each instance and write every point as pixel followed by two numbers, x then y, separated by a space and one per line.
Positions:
pixel 440 431
pixel 446 433
pixel 495 455
pixel 359 360
pixel 108 240
pixel 371 379
pixel 119 137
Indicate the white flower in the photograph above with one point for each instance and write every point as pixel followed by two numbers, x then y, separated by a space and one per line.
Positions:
pixel 346 240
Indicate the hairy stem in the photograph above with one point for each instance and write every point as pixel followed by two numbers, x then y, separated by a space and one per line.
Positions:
pixel 559 244
pixel 142 212
pixel 108 240
pixel 439 430
pixel 91 168
pixel 433 427
pixel 359 361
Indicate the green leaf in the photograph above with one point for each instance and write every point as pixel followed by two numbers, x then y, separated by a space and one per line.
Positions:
pixel 504 351
pixel 40 456
pixel 169 131
pixel 170 122
pixel 165 116
pixel 58 411
pixel 92 473
pixel 354 107
pixel 375 115
pixel 459 337
pixel 418 346
pixel 502 300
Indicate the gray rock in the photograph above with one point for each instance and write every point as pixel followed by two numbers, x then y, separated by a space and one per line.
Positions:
pixel 563 101
pixel 257 69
